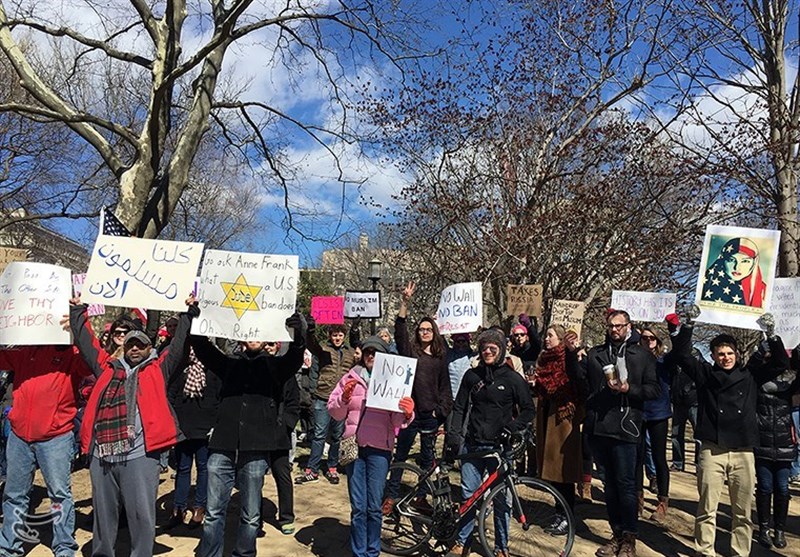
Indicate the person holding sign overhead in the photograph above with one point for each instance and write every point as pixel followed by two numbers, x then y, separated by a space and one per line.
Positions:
pixel 431 391
pixel 127 423
pixel 374 430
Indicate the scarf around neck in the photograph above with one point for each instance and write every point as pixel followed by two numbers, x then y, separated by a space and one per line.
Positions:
pixel 553 383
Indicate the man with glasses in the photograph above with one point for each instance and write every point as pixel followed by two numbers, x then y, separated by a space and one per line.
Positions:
pixel 621 375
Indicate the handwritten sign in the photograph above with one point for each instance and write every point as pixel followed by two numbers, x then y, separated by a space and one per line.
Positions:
pixel 33 299
pixel 247 296
pixel 392 379
pixel 568 314
pixel 785 307
pixel 327 310
pixel 134 272
pixel 365 304
pixel 78 281
pixel 460 308
pixel 524 298
pixel 647 307
pixel 9 255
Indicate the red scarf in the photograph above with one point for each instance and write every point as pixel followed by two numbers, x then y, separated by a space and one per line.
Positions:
pixel 553 383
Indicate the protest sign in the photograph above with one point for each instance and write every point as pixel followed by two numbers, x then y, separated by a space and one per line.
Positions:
pixel 366 304
pixel 644 307
pixel 78 281
pixel 785 307
pixel 392 379
pixel 33 299
pixel 327 310
pixel 524 298
pixel 135 272
pixel 246 296
pixel 460 308
pixel 736 278
pixel 9 255
pixel 568 314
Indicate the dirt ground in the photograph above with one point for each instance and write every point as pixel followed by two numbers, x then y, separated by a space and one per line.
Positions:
pixel 322 512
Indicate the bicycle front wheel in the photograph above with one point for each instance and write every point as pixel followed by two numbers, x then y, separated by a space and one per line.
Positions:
pixel 405 529
pixel 531 520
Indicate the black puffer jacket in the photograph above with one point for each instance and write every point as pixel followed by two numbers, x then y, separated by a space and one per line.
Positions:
pixel 776 431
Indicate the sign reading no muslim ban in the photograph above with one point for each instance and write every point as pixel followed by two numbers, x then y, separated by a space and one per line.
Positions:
pixel 246 296
pixel 327 310
pixel 568 314
pixel 524 298
pixel 366 304
pixel 9 255
pixel 92 310
pixel 644 307
pixel 460 308
pixel 135 272
pixel 392 379
pixel 33 299
pixel 785 307
pixel 737 275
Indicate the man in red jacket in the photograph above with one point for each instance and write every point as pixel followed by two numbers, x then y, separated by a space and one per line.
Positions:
pixel 46 380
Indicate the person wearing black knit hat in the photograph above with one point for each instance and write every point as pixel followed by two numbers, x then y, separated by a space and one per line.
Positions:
pixel 488 395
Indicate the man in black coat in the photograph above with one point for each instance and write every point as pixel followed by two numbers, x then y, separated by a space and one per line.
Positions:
pixel 621 375
pixel 258 409
pixel 727 427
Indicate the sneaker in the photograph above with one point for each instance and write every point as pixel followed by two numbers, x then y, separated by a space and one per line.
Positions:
pixel 287 529
pixel 676 467
pixel 332 476
pixel 560 529
pixel 388 506
pixel 307 477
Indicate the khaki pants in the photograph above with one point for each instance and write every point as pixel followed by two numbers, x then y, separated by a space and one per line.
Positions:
pixel 717 464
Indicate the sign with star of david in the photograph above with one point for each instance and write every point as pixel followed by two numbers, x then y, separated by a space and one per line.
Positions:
pixel 246 296
pixel 737 274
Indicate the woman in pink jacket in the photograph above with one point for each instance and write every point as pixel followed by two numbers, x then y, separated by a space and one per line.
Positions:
pixel 375 432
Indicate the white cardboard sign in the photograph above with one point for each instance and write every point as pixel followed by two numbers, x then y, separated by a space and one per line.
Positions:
pixel 135 272
pixel 785 307
pixel 33 299
pixel 246 296
pixel 365 304
pixel 569 314
pixel 78 281
pixel 392 379
pixel 644 307
pixel 460 308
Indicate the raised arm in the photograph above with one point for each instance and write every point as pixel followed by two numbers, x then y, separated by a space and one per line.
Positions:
pixel 85 339
pixel 766 367
pixel 177 353
pixel 400 325
pixel 209 355
pixel 288 364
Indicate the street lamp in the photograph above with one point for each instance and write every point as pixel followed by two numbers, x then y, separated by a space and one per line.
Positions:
pixel 374 269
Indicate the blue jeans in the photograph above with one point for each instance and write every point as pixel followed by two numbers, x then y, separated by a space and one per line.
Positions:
pixel 322 422
pixel 366 478
pixel 773 475
pixel 796 419
pixel 649 463
pixel 248 474
pixel 472 471
pixel 55 458
pixel 619 462
pixel 679 416
pixel 185 452
pixel 405 439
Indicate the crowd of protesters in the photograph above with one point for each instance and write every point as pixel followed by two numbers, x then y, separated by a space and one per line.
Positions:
pixel 233 411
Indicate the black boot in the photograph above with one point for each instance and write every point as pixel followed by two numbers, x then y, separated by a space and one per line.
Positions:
pixel 763 501
pixel 781 507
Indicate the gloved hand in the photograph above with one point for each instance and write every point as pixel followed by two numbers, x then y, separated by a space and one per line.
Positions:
pixel 693 313
pixel 347 390
pixel 311 324
pixel 525 320
pixel 673 322
pixel 296 322
pixel 767 323
pixel 406 405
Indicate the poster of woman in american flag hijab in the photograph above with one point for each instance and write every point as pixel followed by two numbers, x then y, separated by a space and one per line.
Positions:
pixel 734 285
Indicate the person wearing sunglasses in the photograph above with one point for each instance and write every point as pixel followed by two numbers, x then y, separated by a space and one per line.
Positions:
pixel 525 342
pixel 116 335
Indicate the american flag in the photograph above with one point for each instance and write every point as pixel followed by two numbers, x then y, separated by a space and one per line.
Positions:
pixel 110 225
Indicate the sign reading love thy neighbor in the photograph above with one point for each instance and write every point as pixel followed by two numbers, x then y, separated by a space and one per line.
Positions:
pixel 568 314
pixel 327 310
pixel 78 281
pixel 366 304
pixel 33 299
pixel 785 307
pixel 524 298
pixel 392 379
pixel 9 255
pixel 135 272
pixel 246 296
pixel 460 308
pixel 647 307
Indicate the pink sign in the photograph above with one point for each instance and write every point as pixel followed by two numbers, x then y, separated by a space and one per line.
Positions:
pixel 328 310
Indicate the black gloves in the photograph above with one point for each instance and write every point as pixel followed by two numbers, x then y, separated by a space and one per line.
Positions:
pixel 299 324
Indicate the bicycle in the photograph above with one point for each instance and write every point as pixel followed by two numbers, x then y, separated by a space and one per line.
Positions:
pixel 410 528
